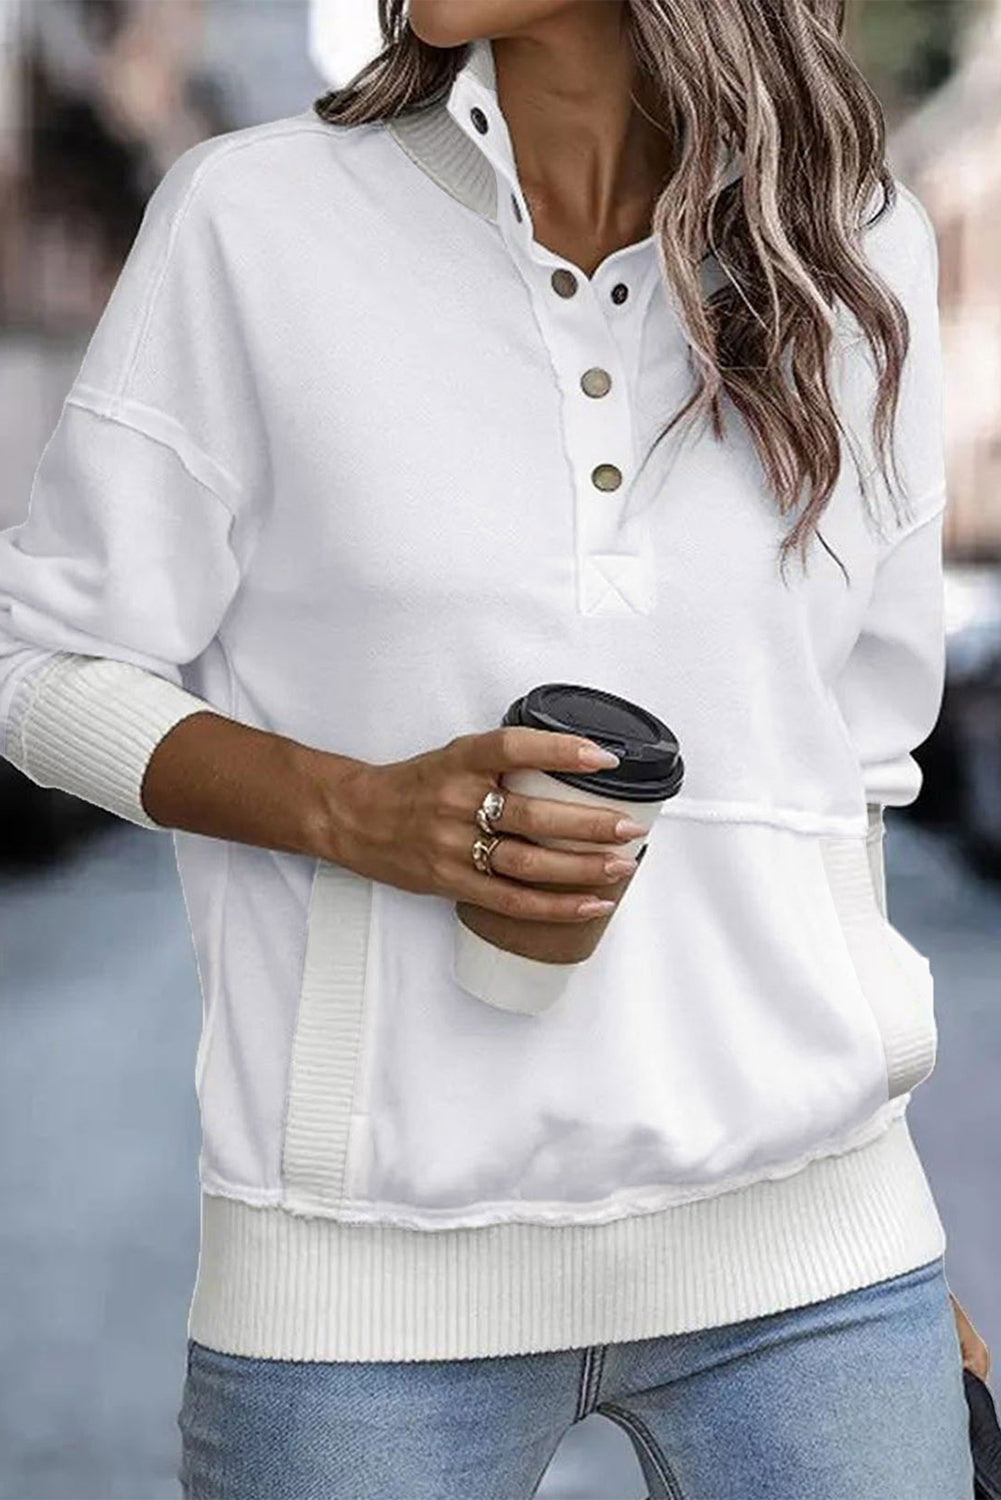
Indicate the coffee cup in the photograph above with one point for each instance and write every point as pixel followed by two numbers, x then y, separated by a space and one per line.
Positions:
pixel 524 965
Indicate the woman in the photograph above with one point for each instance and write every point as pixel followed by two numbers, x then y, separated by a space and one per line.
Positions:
pixel 374 435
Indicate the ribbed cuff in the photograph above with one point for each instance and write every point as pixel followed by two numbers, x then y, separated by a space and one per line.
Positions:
pixel 275 1285
pixel 89 725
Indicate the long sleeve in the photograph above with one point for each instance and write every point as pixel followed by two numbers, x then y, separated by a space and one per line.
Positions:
pixel 891 685
pixel 139 517
pixel 890 690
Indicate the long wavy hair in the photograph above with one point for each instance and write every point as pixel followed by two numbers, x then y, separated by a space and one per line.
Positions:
pixel 773 80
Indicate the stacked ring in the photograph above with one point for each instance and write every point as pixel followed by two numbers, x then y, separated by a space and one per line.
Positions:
pixel 487 814
pixel 482 850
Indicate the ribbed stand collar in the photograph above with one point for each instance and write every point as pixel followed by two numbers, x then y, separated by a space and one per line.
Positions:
pixel 441 140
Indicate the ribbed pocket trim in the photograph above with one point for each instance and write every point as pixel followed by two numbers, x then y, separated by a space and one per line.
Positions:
pixel 895 979
pixel 327 1043
pixel 276 1285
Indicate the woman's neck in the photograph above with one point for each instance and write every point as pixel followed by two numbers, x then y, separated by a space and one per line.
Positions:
pixel 590 163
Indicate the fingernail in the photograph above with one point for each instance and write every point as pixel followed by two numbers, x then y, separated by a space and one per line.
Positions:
pixel 625 828
pixel 616 866
pixel 593 907
pixel 593 755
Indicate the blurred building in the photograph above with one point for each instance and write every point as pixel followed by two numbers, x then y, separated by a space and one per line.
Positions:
pixel 106 93
pixel 97 98
pixel 949 152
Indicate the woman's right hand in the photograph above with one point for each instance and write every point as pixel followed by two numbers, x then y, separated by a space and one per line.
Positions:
pixel 412 824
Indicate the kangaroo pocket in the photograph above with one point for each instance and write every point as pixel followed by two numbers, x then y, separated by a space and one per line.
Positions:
pixel 735 1021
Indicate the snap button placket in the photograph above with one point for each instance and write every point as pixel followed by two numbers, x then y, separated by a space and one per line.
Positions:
pixel 564 282
pixel 606 477
pixel 592 348
pixel 587 432
pixel 591 338
pixel 596 382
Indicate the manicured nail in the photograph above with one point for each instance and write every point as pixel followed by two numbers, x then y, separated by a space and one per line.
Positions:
pixel 617 866
pixel 593 907
pixel 593 756
pixel 625 828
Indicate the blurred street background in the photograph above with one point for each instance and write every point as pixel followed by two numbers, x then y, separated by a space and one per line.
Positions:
pixel 99 1001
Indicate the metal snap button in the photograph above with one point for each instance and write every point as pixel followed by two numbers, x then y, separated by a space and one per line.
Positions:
pixel 620 292
pixel 606 477
pixel 596 382
pixel 479 119
pixel 517 210
pixel 564 282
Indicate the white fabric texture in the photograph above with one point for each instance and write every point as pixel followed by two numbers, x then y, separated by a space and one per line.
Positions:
pixel 327 468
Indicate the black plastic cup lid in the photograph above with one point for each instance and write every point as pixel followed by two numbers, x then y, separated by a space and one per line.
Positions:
pixel 650 766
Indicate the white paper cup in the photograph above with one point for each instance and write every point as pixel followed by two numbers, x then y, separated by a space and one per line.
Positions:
pixel 510 981
pixel 649 770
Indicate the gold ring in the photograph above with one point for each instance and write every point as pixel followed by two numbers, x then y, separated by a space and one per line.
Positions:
pixel 482 850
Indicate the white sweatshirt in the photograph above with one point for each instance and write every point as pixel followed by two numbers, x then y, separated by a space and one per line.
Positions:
pixel 328 468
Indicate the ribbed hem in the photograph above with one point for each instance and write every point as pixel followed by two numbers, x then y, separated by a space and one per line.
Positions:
pixel 281 1286
pixel 89 726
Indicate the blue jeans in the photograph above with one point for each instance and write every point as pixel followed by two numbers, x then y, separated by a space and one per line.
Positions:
pixel 858 1397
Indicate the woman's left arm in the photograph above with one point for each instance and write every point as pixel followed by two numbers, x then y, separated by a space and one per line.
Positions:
pixel 890 688
pixel 890 691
